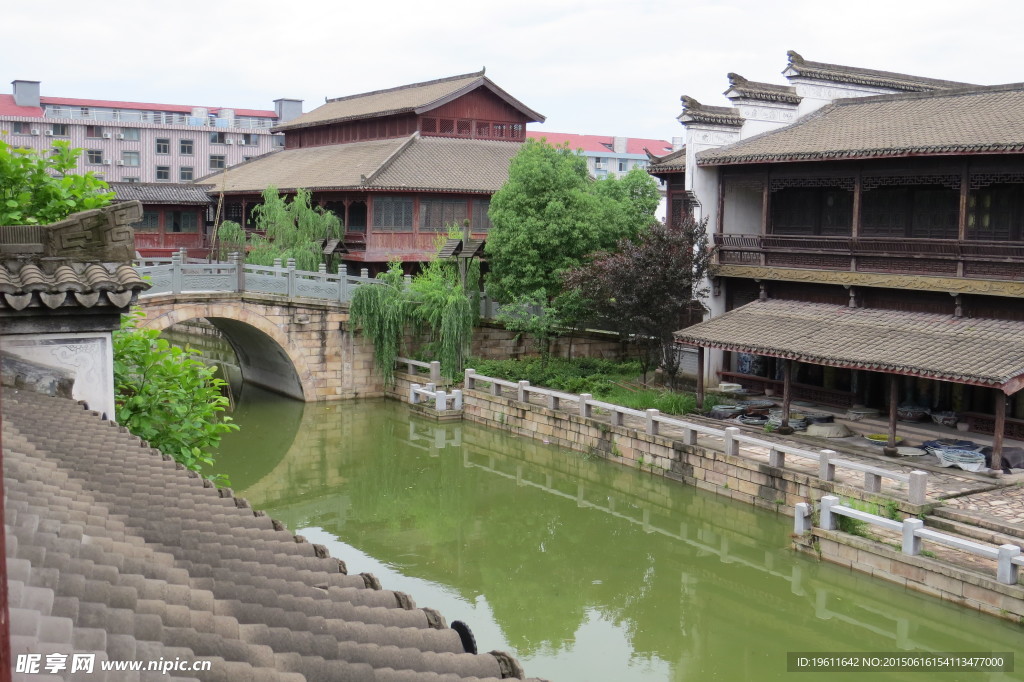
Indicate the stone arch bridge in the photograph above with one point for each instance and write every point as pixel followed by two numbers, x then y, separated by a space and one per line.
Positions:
pixel 289 328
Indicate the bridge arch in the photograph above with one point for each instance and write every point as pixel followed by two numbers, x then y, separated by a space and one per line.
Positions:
pixel 267 355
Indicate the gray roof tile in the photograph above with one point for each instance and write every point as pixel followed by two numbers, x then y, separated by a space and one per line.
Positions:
pixel 161 193
pixel 965 350
pixel 799 67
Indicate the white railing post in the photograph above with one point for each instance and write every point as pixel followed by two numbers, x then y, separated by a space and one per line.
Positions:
pixel 342 283
pixel 827 470
pixel 364 273
pixel 470 379
pixel 732 446
pixel 414 396
pixel 552 401
pixel 410 368
pixel 496 389
pixel 917 488
pixel 617 418
pixel 776 458
pixel 407 282
pixel 440 401
pixel 456 399
pixel 176 273
pixel 435 371
pixel 911 542
pixel 1006 570
pixel 689 436
pixel 652 422
pixel 236 258
pixel 291 277
pixel 872 482
pixel 828 519
pixel 801 518
pixel 585 406
pixel 523 395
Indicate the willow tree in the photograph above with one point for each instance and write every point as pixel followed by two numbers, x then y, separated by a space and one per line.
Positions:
pixel 294 229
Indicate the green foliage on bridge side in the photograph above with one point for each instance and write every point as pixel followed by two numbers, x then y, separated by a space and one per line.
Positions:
pixel 37 189
pixel 291 229
pixel 166 396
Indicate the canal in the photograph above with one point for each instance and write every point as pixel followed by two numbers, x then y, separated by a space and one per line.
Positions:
pixel 585 570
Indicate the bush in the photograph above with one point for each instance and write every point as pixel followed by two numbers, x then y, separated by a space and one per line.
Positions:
pixel 579 375
pixel 164 395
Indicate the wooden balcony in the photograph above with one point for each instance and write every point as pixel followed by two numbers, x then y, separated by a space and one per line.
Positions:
pixel 939 257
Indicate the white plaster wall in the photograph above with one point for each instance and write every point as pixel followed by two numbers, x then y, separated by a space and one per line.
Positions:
pixel 817 94
pixel 741 213
pixel 760 117
pixel 87 355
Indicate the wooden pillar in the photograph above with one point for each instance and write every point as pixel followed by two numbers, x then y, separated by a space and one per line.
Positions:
pixel 787 394
pixel 894 401
pixel 997 432
pixel 700 377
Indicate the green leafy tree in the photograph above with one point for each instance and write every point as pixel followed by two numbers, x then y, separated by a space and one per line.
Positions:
pixel 165 395
pixel 292 229
pixel 650 287
pixel 37 189
pixel 382 310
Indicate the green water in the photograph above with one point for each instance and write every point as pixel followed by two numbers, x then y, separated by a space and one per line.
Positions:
pixel 584 569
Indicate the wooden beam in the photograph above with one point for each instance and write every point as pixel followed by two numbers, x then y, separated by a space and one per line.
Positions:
pixel 894 400
pixel 996 463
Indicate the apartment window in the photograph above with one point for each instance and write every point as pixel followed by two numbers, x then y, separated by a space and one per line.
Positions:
pixel 130 133
pixel 163 172
pixel 217 138
pixel 150 221
pixel 94 131
pixel 21 128
pixel 129 179
pixel 217 161
pixel 623 166
pixel 248 138
pixel 185 174
pixel 163 145
pixel 278 140
pixel 436 215
pixel 186 147
pixel 94 156
pixel 59 129
pixel 183 221
pixel 392 214
pixel 129 158
pixel 84 112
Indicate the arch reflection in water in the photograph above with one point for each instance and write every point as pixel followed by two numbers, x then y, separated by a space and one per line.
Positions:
pixel 586 569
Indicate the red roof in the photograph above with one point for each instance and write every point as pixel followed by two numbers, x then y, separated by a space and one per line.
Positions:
pixel 602 143
pixel 176 108
pixel 9 108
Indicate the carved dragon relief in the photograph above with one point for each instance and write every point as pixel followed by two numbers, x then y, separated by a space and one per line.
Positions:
pixel 866 279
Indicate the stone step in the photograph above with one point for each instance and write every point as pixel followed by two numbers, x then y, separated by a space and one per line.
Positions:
pixel 975 527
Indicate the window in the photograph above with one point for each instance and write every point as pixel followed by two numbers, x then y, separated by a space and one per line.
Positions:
pixel 129 158
pixel 163 172
pixel 185 174
pixel 824 211
pixel 278 140
pixel 60 129
pixel 217 161
pixel 996 213
pixel 186 147
pixel 94 131
pixel 217 138
pixel 183 221
pixel 623 166
pixel 393 214
pixel 84 112
pixel 21 128
pixel 163 145
pixel 915 211
pixel 150 222
pixel 437 214
pixel 94 156
pixel 248 138
pixel 130 133
pixel 129 179
pixel 480 222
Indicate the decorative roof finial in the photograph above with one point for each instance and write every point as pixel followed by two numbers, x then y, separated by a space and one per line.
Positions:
pixel 736 80
pixel 794 57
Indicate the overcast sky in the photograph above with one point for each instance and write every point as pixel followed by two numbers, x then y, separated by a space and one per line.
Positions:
pixel 606 67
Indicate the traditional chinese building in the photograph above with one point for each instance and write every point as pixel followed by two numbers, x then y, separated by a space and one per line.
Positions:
pixel 874 248
pixel 397 165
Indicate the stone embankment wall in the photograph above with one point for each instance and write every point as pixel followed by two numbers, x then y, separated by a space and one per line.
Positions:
pixel 924 574
pixel 493 342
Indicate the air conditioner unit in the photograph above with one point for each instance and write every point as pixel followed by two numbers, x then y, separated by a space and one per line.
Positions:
pixel 120 163
pixel 49 132
pixel 106 162
pixel 106 136
pixel 35 131
pixel 229 141
pixel 600 165
pixel 120 136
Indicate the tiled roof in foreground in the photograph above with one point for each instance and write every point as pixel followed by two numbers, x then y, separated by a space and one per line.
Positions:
pixel 77 284
pixel 976 120
pixel 113 549
pixel 965 350
pixel 408 163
